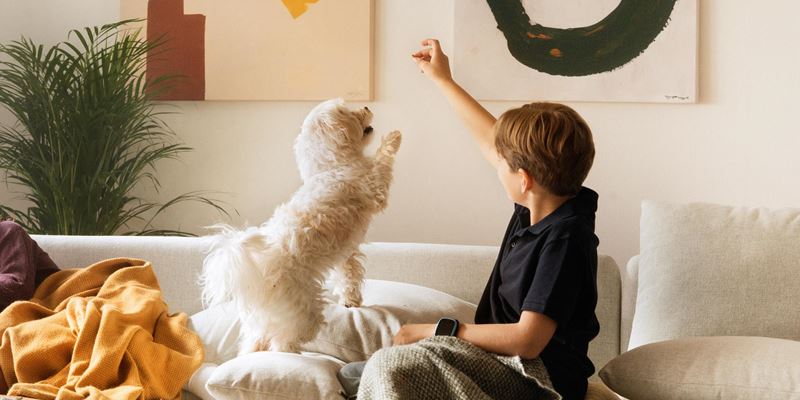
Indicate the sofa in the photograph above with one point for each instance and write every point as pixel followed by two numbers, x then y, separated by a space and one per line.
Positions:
pixel 709 309
pixel 456 271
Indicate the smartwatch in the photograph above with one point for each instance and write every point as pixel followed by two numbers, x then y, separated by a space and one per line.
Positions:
pixel 446 327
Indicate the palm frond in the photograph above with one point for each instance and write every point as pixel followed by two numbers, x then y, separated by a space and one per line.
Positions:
pixel 88 134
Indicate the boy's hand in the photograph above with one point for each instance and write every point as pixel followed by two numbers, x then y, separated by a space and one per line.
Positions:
pixel 413 333
pixel 433 62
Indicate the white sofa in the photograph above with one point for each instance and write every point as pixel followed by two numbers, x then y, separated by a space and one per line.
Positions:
pixel 459 270
pixel 717 313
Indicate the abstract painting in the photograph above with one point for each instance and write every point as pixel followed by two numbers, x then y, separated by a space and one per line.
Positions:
pixel 582 50
pixel 259 50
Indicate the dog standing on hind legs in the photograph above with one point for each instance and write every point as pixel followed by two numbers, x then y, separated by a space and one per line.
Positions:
pixel 274 273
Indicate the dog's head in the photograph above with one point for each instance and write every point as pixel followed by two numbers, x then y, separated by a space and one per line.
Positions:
pixel 332 135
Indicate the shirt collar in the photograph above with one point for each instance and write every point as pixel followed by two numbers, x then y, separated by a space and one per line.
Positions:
pixel 584 203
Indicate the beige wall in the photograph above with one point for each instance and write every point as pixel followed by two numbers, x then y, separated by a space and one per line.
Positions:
pixel 738 146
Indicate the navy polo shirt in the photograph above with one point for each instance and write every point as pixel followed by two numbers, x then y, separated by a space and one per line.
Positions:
pixel 551 268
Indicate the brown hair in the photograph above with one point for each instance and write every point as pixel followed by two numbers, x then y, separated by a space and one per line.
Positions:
pixel 549 141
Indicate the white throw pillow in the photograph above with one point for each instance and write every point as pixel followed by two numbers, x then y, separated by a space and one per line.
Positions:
pixel 351 334
pixel 710 270
pixel 725 367
pixel 270 375
pixel 197 383
pixel 219 330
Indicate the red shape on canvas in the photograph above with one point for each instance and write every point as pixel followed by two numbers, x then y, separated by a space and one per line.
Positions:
pixel 183 50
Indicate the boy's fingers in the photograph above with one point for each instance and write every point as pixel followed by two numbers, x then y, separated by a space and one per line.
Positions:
pixel 432 43
pixel 425 57
pixel 435 49
pixel 421 59
pixel 422 64
pixel 435 45
pixel 422 53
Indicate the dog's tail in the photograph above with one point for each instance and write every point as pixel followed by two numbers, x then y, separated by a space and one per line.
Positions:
pixel 231 265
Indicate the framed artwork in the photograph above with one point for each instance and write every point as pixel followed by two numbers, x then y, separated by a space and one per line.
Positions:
pixel 583 50
pixel 259 50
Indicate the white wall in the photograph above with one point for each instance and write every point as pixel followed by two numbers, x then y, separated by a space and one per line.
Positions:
pixel 738 146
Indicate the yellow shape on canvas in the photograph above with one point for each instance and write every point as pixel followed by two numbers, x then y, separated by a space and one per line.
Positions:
pixel 297 7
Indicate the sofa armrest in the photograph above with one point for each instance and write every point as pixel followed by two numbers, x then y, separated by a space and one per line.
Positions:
pixel 630 280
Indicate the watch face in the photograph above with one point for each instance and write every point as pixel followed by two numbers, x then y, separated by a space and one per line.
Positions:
pixel 445 327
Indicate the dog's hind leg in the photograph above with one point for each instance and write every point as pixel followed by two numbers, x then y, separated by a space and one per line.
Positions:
pixel 349 279
pixel 296 315
pixel 250 343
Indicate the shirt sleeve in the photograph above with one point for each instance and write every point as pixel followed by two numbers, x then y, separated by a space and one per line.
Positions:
pixel 558 282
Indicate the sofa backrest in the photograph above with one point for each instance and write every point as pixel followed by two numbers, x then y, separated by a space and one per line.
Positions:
pixel 459 270
pixel 177 261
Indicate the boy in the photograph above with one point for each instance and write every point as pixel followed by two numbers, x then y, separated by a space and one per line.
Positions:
pixel 540 299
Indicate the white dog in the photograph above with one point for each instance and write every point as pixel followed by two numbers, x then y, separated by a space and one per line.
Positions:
pixel 274 274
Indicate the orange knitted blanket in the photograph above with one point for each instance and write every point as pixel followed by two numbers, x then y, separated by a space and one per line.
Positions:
pixel 101 332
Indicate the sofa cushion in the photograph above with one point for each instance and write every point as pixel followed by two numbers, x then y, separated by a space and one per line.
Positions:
pixel 724 367
pixel 711 270
pixel 276 375
pixel 351 334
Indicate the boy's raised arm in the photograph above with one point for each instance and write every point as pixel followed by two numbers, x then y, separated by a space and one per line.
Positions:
pixel 435 64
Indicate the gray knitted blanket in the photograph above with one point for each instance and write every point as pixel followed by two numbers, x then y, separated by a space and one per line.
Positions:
pixel 446 367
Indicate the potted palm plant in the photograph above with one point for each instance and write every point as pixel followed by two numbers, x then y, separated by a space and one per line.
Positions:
pixel 87 134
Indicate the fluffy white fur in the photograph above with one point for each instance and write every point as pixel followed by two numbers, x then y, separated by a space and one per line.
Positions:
pixel 274 273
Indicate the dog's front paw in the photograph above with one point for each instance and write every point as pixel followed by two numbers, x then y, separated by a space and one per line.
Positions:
pixel 391 143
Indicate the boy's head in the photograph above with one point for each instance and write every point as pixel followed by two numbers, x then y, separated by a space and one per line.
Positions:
pixel 550 142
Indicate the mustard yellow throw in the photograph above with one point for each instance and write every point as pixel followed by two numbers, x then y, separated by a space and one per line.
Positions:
pixel 101 332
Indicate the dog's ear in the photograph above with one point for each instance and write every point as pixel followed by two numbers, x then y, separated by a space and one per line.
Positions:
pixel 334 124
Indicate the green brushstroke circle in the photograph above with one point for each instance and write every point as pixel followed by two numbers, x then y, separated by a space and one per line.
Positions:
pixel 607 45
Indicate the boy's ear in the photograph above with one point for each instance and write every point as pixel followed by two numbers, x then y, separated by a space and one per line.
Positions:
pixel 526 180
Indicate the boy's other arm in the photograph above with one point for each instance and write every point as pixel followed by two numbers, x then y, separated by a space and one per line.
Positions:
pixel 480 122
pixel 526 338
